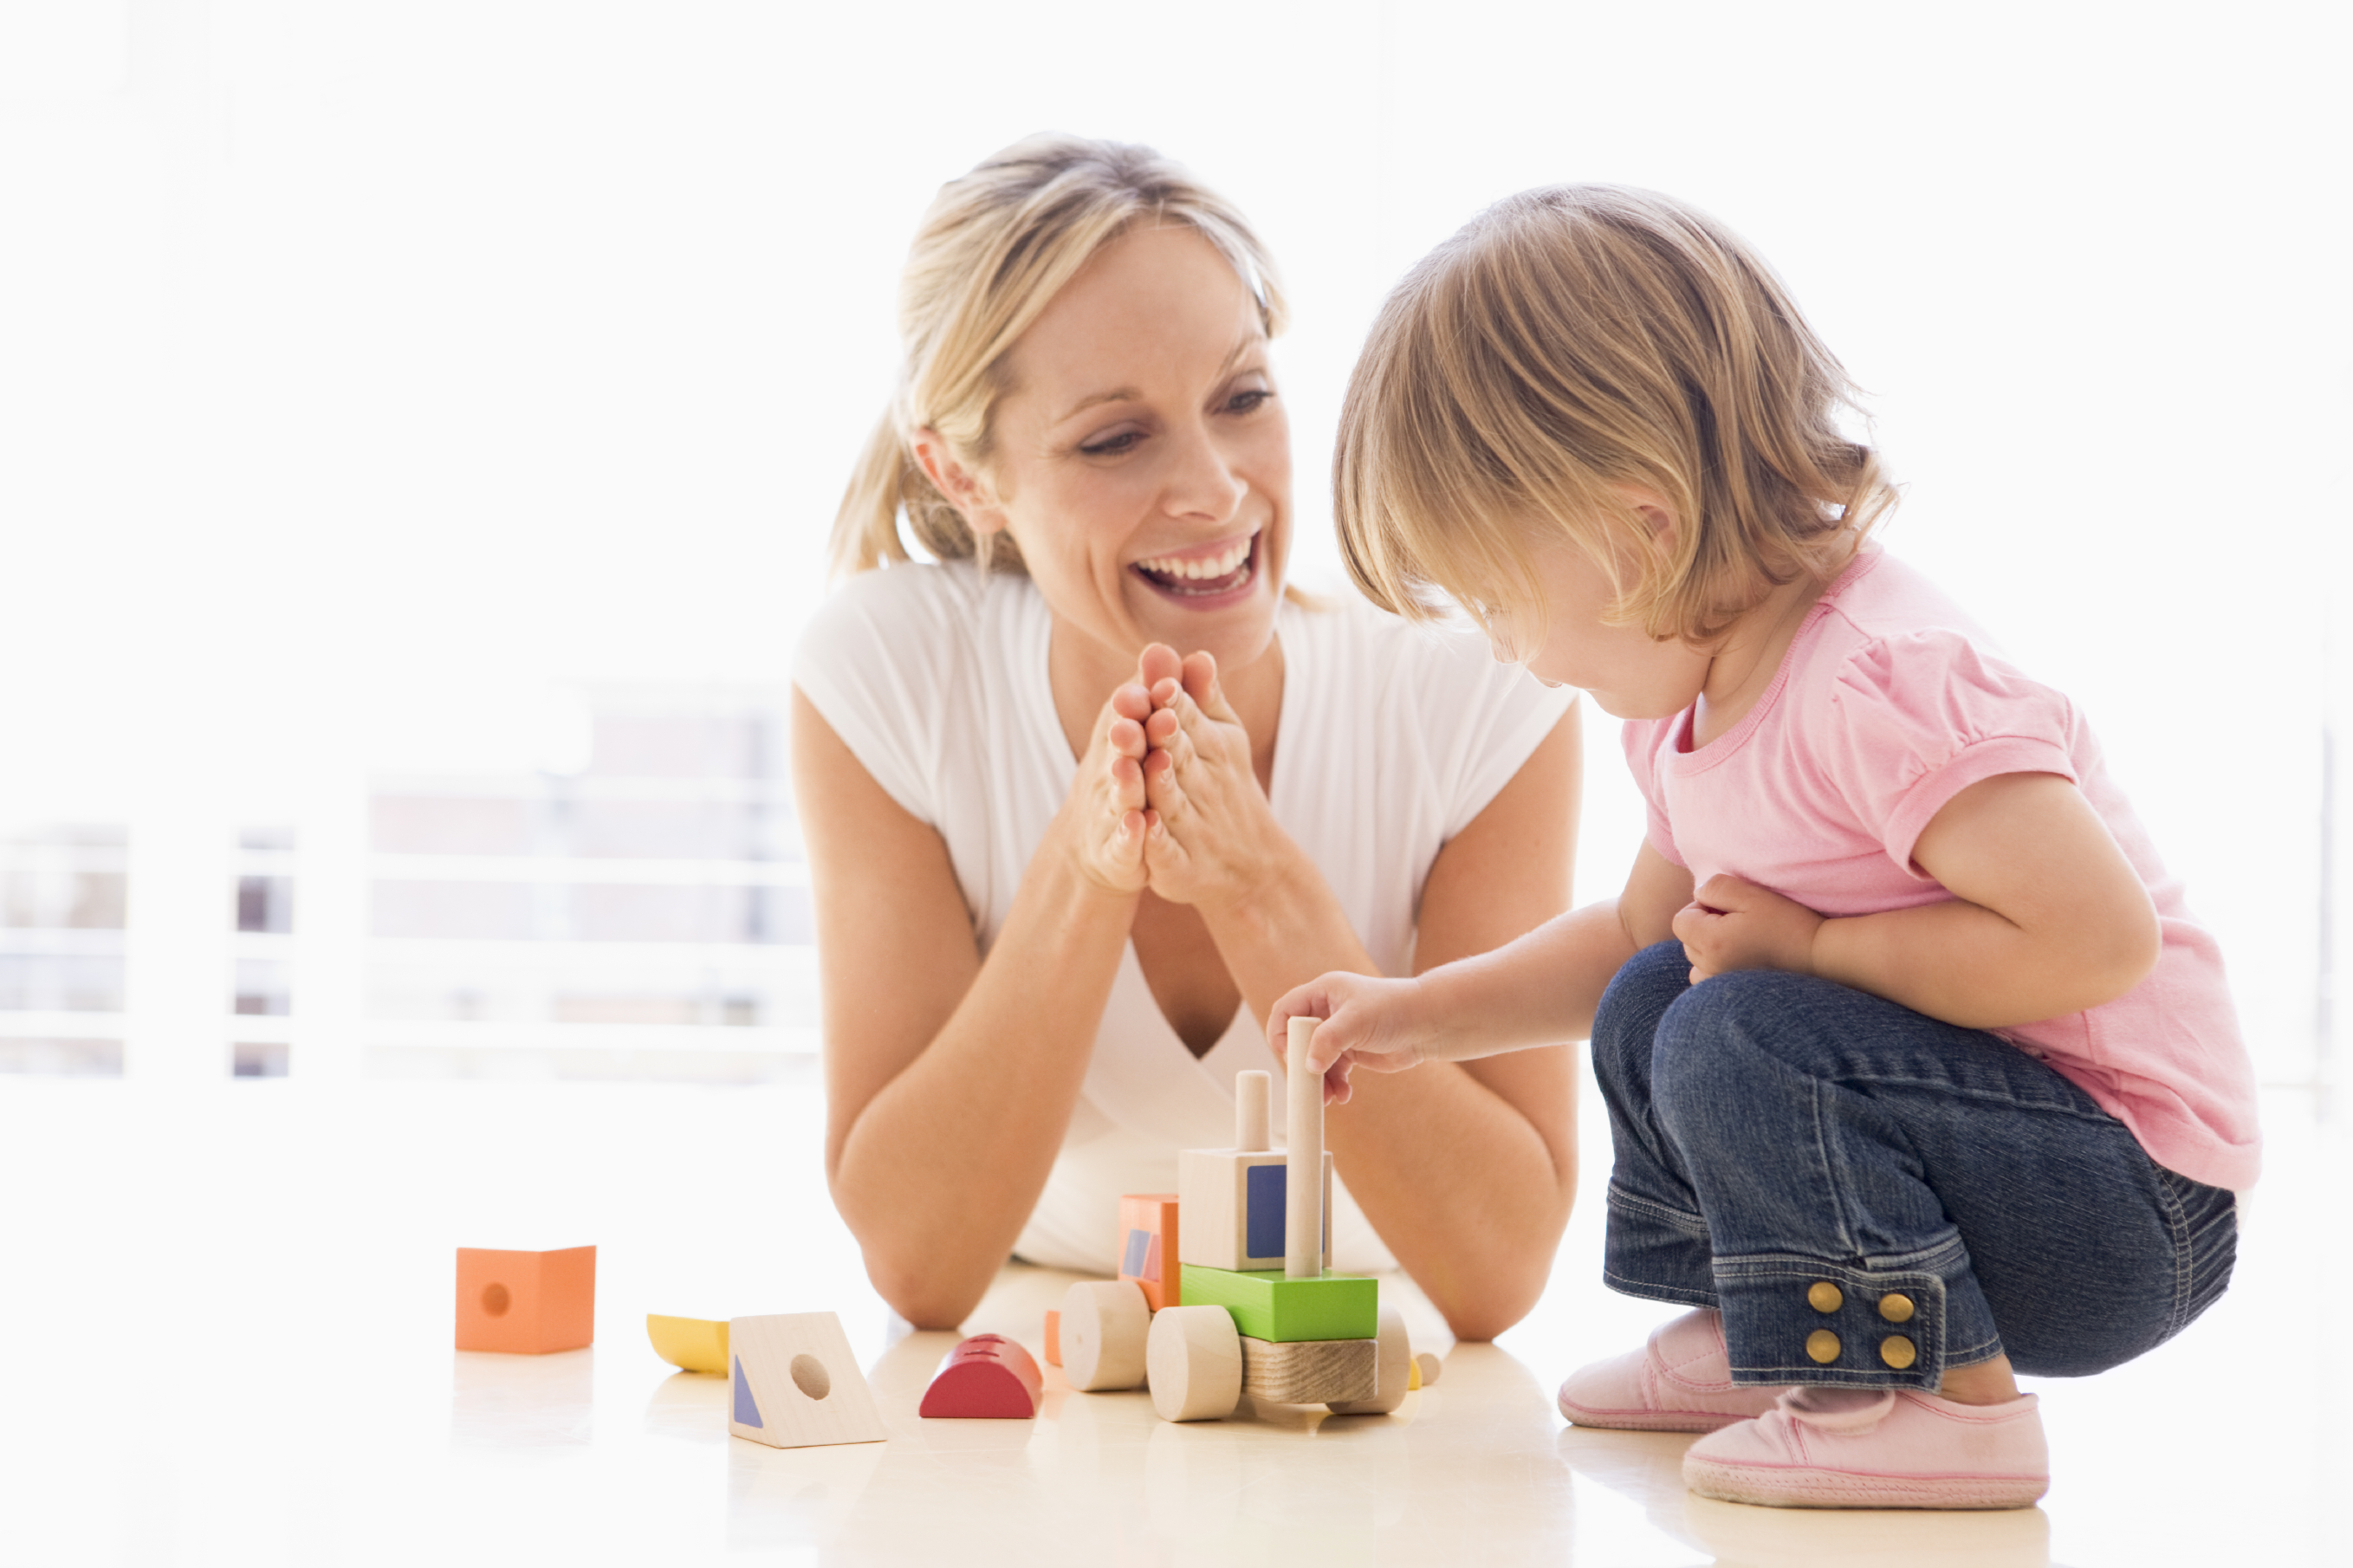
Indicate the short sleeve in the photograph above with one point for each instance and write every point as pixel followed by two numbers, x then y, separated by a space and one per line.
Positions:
pixel 1481 720
pixel 879 661
pixel 1917 718
pixel 1641 738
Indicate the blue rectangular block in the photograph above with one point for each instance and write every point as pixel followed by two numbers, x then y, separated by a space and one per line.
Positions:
pixel 1264 1204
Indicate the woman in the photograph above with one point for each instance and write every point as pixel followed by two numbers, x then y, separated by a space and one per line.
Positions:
pixel 1058 871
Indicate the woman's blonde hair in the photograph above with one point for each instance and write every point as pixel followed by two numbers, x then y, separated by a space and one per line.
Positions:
pixel 990 255
pixel 1569 341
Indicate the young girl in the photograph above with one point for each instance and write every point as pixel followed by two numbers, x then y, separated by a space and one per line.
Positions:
pixel 1919 1071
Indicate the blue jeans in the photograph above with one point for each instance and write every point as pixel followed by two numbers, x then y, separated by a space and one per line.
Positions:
pixel 1872 1197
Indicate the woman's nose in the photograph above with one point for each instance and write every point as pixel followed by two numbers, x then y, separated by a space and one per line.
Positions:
pixel 1201 482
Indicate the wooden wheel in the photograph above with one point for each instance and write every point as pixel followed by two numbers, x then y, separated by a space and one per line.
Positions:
pixel 1195 1357
pixel 1104 1322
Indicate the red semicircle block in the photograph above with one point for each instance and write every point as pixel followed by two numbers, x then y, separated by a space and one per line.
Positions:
pixel 987 1375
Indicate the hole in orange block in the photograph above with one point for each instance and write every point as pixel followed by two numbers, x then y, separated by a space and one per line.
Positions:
pixel 495 1300
pixel 811 1377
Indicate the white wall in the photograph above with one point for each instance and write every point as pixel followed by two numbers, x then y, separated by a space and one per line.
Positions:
pixel 364 370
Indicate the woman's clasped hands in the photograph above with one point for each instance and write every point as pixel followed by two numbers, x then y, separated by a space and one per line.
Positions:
pixel 1173 802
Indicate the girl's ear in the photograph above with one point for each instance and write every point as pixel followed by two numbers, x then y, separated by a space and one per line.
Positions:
pixel 1657 515
pixel 966 489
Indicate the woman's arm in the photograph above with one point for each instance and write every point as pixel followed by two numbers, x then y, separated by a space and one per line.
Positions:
pixel 2047 916
pixel 950 1079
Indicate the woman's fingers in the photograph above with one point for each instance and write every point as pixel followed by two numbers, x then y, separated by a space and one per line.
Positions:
pixel 1200 677
pixel 1162 791
pixel 1158 663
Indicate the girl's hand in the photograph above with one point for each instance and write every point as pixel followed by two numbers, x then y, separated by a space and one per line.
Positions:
pixel 1732 924
pixel 1103 818
pixel 1368 1022
pixel 1210 838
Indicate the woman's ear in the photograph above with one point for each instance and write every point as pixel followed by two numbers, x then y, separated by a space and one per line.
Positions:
pixel 966 489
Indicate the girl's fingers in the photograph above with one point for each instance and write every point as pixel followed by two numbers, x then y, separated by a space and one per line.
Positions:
pixel 1157 664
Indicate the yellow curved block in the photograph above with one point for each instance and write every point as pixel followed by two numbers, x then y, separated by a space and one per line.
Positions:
pixel 697 1344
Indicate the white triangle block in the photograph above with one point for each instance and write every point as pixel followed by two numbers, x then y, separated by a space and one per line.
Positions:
pixel 807 1386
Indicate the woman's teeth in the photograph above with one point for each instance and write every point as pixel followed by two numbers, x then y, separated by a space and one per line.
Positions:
pixel 1201 568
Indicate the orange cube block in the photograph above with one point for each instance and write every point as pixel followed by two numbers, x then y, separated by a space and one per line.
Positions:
pixel 1147 1246
pixel 526 1303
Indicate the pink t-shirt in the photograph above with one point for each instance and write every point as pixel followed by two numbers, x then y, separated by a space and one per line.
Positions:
pixel 1889 702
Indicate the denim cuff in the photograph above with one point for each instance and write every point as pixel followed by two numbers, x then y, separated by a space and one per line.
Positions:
pixel 1656 1251
pixel 1883 1322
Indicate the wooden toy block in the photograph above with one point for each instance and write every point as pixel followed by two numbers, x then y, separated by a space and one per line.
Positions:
pixel 796 1384
pixel 1148 1245
pixel 1053 1337
pixel 691 1344
pixel 1234 1200
pixel 1310 1371
pixel 1235 1206
pixel 1267 1304
pixel 526 1303
pixel 1195 1363
pixel 986 1378
pixel 1394 1370
pixel 1105 1327
pixel 1426 1368
pixel 1302 1225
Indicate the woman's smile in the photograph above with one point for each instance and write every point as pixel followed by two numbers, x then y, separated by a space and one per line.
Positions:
pixel 1203 577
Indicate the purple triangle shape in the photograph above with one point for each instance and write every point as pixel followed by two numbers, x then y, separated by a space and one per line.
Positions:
pixel 747 1414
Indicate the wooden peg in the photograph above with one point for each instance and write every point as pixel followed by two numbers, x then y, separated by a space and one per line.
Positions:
pixel 1254 1094
pixel 1303 1229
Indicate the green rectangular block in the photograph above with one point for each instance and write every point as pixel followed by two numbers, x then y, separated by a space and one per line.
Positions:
pixel 1266 1306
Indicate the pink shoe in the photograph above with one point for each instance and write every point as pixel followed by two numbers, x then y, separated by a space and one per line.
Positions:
pixel 1836 1447
pixel 1679 1382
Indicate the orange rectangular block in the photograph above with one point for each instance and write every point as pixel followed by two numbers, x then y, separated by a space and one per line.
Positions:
pixel 1147 1247
pixel 526 1303
pixel 1053 1337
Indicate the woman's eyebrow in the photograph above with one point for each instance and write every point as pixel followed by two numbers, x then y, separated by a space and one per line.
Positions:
pixel 1118 395
pixel 1251 337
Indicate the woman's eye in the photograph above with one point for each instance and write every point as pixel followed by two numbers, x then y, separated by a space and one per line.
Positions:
pixel 1248 402
pixel 1112 446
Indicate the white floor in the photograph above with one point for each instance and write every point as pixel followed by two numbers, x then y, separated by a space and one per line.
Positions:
pixel 225 1316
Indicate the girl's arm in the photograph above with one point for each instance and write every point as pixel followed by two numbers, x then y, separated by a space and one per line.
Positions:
pixel 1536 991
pixel 950 1079
pixel 2047 916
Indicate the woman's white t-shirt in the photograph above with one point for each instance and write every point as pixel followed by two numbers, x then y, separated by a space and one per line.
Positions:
pixel 1391 738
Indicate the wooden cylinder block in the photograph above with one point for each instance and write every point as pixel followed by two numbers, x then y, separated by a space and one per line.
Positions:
pixel 1253 1102
pixel 1104 1324
pixel 1302 1224
pixel 1195 1361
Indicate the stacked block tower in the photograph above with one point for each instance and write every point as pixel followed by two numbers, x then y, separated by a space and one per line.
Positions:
pixel 1238 1299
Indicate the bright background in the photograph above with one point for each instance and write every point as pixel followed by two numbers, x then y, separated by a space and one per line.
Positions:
pixel 388 390
pixel 419 423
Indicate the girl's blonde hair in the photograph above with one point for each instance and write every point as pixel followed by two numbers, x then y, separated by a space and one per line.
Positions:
pixel 990 255
pixel 1568 341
